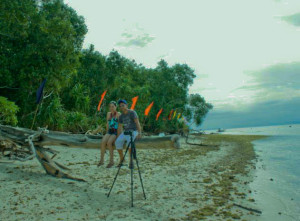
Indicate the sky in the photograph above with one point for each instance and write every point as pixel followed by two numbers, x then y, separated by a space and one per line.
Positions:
pixel 245 53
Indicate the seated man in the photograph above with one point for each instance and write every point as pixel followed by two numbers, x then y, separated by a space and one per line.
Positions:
pixel 129 120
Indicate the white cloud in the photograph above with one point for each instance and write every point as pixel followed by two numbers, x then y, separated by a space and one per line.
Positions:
pixel 280 81
pixel 293 19
pixel 136 37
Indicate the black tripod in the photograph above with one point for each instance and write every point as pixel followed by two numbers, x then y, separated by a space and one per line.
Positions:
pixel 132 157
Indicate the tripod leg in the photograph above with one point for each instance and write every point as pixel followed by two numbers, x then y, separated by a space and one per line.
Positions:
pixel 131 169
pixel 118 171
pixel 137 164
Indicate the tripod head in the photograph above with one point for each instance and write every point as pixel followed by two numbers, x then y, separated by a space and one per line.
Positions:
pixel 129 132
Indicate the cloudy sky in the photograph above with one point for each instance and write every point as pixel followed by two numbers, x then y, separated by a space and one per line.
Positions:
pixel 246 54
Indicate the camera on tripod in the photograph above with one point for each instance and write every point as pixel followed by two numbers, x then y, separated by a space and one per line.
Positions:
pixel 133 156
pixel 129 132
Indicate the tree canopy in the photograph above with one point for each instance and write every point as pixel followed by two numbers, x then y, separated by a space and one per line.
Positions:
pixel 43 39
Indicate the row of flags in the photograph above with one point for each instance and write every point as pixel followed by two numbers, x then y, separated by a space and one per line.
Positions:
pixel 171 115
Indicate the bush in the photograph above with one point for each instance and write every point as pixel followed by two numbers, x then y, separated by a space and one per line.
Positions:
pixel 52 114
pixel 76 122
pixel 8 111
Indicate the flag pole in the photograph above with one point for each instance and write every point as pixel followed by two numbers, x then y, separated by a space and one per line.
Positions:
pixel 143 124
pixel 39 97
pixel 36 110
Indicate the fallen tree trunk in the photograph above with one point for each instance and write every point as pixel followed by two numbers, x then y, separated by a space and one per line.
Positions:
pixel 197 144
pixel 48 164
pixel 55 138
pixel 16 138
pixel 25 144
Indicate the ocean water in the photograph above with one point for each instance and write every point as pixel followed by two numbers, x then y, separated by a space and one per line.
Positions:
pixel 276 185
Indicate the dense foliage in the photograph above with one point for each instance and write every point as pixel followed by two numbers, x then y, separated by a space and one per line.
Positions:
pixel 8 111
pixel 43 39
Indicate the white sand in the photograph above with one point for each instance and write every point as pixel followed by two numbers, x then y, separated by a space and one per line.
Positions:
pixel 27 193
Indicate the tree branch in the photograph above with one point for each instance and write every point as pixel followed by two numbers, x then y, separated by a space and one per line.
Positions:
pixel 6 35
pixel 48 95
pixel 12 88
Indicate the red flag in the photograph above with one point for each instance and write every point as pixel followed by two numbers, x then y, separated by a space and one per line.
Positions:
pixel 134 100
pixel 147 110
pixel 159 112
pixel 102 97
pixel 170 114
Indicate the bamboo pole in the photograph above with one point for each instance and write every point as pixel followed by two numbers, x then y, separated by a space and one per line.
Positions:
pixel 36 110
pixel 143 124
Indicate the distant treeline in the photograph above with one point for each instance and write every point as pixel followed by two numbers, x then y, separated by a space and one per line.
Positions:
pixel 43 39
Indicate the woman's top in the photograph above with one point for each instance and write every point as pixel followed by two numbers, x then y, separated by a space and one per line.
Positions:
pixel 113 123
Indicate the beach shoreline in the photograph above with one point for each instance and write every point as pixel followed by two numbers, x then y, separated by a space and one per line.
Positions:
pixel 190 183
pixel 270 185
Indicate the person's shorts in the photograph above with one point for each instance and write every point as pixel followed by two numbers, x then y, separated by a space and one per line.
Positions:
pixel 112 132
pixel 124 138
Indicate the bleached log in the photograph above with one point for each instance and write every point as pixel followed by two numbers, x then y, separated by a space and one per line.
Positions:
pixel 35 142
pixel 50 166
pixel 55 138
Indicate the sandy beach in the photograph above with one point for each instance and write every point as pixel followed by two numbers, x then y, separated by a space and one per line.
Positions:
pixel 191 183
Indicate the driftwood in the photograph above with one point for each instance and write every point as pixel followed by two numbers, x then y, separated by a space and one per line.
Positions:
pixel 249 209
pixel 55 138
pixel 98 130
pixel 14 138
pixel 6 161
pixel 197 144
pixel 52 138
pixel 48 164
pixel 24 144
pixel 175 139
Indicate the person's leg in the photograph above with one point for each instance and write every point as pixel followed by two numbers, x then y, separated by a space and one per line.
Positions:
pixel 121 155
pixel 102 151
pixel 128 139
pixel 110 141
pixel 119 146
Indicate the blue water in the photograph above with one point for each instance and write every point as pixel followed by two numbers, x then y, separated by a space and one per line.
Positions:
pixel 278 159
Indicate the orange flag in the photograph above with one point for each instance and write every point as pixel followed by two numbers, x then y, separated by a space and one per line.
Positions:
pixel 174 115
pixel 147 110
pixel 170 115
pixel 134 100
pixel 102 97
pixel 159 112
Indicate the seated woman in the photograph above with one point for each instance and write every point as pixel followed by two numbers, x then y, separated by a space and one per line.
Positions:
pixel 111 134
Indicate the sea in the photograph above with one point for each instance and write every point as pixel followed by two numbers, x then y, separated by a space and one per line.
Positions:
pixel 276 184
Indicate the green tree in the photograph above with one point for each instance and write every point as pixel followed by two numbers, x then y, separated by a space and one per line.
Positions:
pixel 8 111
pixel 92 78
pixel 197 109
pixel 39 39
pixel 43 39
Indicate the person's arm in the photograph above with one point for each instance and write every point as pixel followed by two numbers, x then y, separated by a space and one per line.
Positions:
pixel 120 129
pixel 120 126
pixel 138 126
